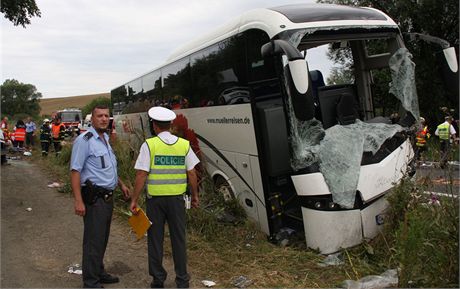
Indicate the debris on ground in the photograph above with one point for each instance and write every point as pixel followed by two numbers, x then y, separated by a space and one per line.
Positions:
pixel 284 236
pixel 16 149
pixel 227 218
pixel 332 260
pixel 27 154
pixel 29 209
pixel 75 269
pixel 241 281
pixel 389 278
pixel 454 164
pixel 54 185
pixel 13 158
pixel 208 283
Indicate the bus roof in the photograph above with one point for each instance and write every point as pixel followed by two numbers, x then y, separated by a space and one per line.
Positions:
pixel 289 17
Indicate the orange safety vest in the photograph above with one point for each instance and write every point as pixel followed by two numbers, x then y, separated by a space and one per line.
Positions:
pixel 421 137
pixel 20 134
pixel 56 130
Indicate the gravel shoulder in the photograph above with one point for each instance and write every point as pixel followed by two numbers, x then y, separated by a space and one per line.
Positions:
pixel 38 246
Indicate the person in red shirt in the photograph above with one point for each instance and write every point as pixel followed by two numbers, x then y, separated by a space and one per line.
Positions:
pixel 20 134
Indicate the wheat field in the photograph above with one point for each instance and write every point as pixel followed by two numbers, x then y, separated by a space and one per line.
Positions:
pixel 48 105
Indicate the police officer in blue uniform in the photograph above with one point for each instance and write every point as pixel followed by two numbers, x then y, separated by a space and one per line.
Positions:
pixel 165 163
pixel 93 178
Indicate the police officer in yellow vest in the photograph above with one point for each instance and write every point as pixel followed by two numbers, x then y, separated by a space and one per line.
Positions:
pixel 446 133
pixel 165 162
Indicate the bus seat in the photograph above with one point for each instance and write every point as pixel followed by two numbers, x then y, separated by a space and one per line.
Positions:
pixel 317 80
pixel 338 104
pixel 346 108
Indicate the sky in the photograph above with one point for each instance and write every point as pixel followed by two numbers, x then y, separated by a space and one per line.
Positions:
pixel 83 47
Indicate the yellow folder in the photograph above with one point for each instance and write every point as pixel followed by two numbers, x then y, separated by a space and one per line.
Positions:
pixel 140 223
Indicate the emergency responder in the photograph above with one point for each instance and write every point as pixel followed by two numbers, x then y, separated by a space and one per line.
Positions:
pixel 93 178
pixel 421 136
pixel 166 161
pixel 446 133
pixel 45 136
pixel 19 134
pixel 58 132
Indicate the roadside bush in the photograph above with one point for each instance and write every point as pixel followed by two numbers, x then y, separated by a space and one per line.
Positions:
pixel 215 214
pixel 433 152
pixel 63 159
pixel 423 233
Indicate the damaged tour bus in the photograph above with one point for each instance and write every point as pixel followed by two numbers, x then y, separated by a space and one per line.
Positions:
pixel 298 152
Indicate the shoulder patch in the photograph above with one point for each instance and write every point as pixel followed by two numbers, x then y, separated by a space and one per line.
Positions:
pixel 87 136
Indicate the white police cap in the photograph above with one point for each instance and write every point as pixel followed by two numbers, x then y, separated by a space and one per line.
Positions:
pixel 159 113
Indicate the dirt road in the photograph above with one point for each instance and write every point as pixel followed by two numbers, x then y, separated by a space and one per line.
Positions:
pixel 38 246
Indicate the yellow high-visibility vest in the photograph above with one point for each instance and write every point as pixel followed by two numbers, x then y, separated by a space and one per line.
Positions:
pixel 168 175
pixel 444 131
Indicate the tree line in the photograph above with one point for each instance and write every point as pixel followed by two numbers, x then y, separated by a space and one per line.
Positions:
pixel 432 17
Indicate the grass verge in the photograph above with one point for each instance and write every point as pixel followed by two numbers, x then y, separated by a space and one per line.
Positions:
pixel 420 239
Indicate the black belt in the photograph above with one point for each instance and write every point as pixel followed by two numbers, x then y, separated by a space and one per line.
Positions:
pixel 90 197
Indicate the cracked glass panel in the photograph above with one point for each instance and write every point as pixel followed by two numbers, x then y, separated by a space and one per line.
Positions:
pixel 304 138
pixel 340 155
pixel 338 150
pixel 403 80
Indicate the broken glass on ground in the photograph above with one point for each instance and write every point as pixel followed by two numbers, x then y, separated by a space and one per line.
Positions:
pixel 241 281
pixel 75 269
pixel 332 260
pixel 284 235
pixel 387 279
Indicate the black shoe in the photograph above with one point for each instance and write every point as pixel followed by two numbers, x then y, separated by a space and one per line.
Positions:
pixel 108 279
pixel 86 286
pixel 157 285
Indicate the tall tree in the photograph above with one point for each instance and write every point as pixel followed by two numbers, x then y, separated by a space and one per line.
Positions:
pixel 436 18
pixel 19 11
pixel 17 97
pixel 98 101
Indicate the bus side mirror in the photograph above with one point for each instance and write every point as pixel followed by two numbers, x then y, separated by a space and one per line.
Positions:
pixel 449 69
pixel 298 79
pixel 451 59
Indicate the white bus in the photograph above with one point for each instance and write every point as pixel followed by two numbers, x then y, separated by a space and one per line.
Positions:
pixel 286 112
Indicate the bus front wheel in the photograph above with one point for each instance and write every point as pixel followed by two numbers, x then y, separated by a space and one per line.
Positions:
pixel 221 186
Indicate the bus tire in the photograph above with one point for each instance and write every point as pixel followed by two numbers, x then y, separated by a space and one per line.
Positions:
pixel 222 187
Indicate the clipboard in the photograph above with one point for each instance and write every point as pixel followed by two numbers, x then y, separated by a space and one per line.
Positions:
pixel 140 223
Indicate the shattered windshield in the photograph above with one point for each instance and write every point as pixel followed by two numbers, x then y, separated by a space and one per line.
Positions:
pixel 344 127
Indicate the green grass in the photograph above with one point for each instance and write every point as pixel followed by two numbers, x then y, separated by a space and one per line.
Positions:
pixel 433 152
pixel 419 239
